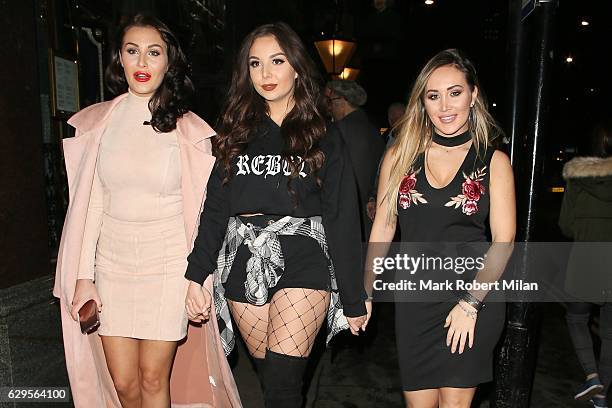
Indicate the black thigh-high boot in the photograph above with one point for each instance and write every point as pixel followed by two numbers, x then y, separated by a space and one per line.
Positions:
pixel 283 380
pixel 260 369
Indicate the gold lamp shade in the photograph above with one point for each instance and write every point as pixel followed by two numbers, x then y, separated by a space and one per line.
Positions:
pixel 335 54
pixel 350 74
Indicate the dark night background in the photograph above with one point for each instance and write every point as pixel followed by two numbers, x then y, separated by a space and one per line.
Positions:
pixel 392 46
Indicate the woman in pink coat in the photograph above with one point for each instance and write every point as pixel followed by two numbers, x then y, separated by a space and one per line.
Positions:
pixel 137 171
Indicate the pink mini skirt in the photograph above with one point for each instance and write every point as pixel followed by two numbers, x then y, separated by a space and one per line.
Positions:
pixel 139 274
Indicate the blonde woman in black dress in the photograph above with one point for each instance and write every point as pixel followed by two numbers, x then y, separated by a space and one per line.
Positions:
pixel 442 180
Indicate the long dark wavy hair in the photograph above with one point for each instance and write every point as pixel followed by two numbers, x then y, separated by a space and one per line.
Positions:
pixel 171 100
pixel 245 109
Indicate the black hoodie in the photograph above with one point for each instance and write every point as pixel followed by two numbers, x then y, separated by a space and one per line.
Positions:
pixel 259 185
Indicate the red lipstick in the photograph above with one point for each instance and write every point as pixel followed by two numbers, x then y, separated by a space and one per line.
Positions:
pixel 141 76
pixel 268 87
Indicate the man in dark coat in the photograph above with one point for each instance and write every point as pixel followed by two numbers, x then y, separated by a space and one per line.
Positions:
pixel 363 140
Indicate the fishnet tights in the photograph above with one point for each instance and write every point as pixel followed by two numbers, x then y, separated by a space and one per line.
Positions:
pixel 287 325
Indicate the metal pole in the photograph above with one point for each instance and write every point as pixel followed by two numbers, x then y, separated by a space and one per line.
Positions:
pixel 516 36
pixel 538 127
pixel 517 359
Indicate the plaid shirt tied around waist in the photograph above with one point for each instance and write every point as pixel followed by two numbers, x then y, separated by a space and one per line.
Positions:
pixel 265 268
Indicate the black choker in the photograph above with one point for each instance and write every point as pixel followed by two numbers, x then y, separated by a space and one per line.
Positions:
pixel 452 141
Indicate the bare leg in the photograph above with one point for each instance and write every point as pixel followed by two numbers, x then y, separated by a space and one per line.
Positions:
pixel 155 363
pixel 456 397
pixel 421 398
pixel 122 360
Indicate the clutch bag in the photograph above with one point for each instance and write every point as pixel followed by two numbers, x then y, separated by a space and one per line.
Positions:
pixel 88 317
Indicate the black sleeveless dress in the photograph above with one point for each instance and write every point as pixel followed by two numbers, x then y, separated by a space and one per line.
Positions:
pixel 455 213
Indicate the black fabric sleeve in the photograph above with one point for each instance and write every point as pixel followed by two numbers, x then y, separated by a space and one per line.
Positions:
pixel 213 225
pixel 340 213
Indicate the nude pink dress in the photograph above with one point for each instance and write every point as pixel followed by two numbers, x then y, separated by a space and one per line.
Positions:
pixel 135 228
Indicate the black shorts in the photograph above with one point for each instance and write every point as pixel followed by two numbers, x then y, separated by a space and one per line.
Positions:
pixel 306 266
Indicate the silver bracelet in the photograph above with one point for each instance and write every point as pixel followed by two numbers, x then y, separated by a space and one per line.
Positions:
pixel 470 313
pixel 472 300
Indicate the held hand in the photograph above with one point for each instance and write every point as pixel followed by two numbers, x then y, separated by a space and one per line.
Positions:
pixel 368 305
pixel 461 325
pixel 84 291
pixel 356 323
pixel 197 303
pixel 371 210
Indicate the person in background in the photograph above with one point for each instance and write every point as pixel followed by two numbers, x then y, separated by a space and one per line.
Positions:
pixel 394 114
pixel 137 169
pixel 361 138
pixel 586 216
pixel 280 227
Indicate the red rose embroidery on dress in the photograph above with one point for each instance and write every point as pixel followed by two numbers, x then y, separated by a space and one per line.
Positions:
pixel 408 183
pixel 470 207
pixel 407 193
pixel 471 190
pixel 404 201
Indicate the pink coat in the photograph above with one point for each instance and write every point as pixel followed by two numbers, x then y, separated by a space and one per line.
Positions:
pixel 201 376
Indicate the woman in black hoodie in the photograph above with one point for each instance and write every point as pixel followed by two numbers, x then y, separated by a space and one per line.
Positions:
pixel 586 216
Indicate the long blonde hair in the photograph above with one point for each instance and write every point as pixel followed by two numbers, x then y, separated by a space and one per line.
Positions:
pixel 414 130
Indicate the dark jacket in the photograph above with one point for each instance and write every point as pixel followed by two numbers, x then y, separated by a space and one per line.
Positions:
pixel 586 216
pixel 365 147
